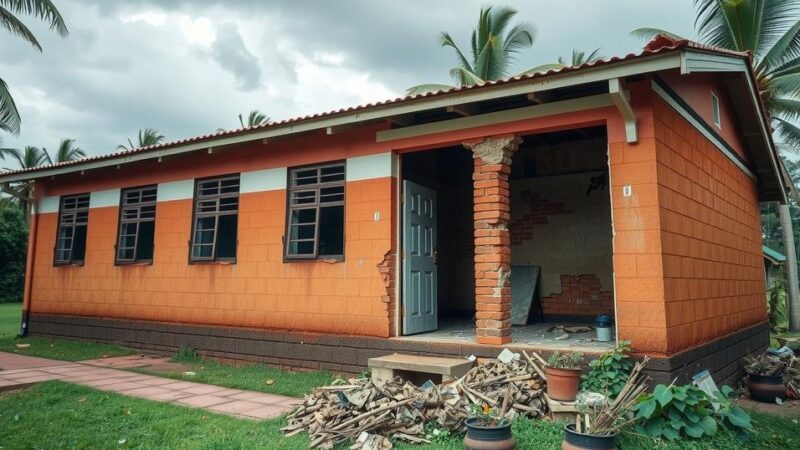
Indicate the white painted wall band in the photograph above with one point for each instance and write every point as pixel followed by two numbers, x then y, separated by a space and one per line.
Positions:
pixel 369 167
pixel 103 199
pixel 358 168
pixel 49 204
pixel 263 180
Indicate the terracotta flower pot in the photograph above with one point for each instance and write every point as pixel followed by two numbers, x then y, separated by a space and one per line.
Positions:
pixel 562 384
pixel 580 441
pixel 766 388
pixel 485 437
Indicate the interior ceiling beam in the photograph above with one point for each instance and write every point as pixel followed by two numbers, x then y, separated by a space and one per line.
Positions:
pixel 620 99
pixel 509 115
pixel 463 110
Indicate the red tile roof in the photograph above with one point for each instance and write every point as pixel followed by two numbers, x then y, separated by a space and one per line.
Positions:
pixel 658 45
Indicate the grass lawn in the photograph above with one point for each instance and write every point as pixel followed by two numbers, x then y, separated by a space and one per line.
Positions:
pixel 256 377
pixel 61 415
pixel 49 348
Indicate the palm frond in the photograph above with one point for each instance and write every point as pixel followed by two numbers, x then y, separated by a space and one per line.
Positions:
pixel 465 77
pixel 425 88
pixel 647 34
pixel 788 134
pixel 9 116
pixel 447 41
pixel 15 26
pixel 785 107
pixel 786 48
pixel 519 37
pixel 499 19
pixel 41 9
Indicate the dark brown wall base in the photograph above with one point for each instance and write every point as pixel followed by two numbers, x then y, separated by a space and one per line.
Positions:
pixel 722 357
pixel 349 354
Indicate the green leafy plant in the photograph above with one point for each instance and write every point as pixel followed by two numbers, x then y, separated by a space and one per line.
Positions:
pixel 609 372
pixel 571 360
pixel 186 354
pixel 436 433
pixel 673 412
pixel 488 416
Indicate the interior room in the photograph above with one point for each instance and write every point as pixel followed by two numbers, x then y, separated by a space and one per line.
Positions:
pixel 561 239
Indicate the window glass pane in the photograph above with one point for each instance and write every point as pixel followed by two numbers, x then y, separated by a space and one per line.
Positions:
pixel 305 176
pixel 144 246
pixel 301 248
pixel 202 251
pixel 226 236
pixel 300 216
pixel 304 197
pixel 126 254
pixel 79 243
pixel 331 194
pixel 302 231
pixel 331 231
pixel 332 174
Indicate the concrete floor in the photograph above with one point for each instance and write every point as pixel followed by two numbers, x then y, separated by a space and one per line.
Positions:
pixel 534 336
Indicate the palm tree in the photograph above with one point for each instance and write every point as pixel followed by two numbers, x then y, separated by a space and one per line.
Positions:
pixel 579 58
pixel 493 46
pixel 147 137
pixel 770 30
pixel 9 10
pixel 28 158
pixel 255 118
pixel 67 151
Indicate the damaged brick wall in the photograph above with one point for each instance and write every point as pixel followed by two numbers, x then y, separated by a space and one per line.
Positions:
pixel 388 275
pixel 537 211
pixel 581 295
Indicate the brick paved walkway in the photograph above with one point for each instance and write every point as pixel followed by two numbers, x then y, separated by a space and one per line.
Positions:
pixel 20 371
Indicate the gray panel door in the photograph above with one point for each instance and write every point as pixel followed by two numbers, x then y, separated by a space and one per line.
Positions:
pixel 420 307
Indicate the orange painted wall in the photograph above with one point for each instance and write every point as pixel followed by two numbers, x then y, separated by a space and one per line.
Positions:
pixel 711 236
pixel 260 290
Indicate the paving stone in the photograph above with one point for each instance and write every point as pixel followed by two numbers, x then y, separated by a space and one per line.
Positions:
pixel 265 412
pixel 146 391
pixel 203 401
pixel 236 407
pixel 204 389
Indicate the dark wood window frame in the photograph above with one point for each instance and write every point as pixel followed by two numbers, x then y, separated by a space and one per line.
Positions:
pixel 210 204
pixel 73 213
pixel 137 205
pixel 304 194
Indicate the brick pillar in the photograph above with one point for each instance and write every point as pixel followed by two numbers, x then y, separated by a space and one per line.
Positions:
pixel 492 212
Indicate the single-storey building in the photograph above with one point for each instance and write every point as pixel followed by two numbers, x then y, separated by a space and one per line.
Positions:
pixel 628 187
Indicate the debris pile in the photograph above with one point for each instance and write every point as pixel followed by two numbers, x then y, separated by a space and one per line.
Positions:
pixel 358 407
pixel 777 363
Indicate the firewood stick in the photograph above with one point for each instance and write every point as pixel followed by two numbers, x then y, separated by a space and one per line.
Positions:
pixel 541 360
pixel 539 371
pixel 372 413
pixel 506 400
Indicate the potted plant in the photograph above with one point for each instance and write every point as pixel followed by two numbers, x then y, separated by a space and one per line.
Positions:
pixel 488 429
pixel 564 375
pixel 765 378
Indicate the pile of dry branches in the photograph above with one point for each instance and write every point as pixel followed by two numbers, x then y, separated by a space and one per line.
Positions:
pixel 612 416
pixel 787 366
pixel 399 410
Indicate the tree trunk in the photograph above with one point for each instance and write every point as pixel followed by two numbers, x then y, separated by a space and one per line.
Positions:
pixel 793 289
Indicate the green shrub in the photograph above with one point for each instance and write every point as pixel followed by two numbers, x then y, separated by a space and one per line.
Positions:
pixel 186 354
pixel 13 248
pixel 609 372
pixel 673 412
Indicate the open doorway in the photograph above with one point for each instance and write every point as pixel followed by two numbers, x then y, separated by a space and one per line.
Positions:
pixel 561 240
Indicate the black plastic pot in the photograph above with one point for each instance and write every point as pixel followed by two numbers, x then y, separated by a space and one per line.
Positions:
pixel 481 437
pixel 766 388
pixel 578 441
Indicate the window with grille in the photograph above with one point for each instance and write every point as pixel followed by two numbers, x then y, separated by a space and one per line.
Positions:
pixel 137 222
pixel 216 214
pixel 73 217
pixel 315 222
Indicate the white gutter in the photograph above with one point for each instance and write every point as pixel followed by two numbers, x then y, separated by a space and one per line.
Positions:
pixel 650 63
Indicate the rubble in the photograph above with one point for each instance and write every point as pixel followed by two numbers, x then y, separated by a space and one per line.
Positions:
pixel 360 409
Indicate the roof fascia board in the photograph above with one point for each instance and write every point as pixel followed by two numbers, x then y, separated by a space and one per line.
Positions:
pixel 651 63
pixel 620 99
pixel 705 62
pixel 510 115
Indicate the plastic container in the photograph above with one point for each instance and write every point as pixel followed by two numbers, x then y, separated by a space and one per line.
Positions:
pixel 603 327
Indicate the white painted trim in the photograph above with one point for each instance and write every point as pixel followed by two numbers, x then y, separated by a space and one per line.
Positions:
pixel 620 99
pixel 49 204
pixel 702 129
pixel 175 190
pixel 653 63
pixel 104 199
pixel 369 167
pixel 511 115
pixel 398 257
pixel 263 180
pixel 698 61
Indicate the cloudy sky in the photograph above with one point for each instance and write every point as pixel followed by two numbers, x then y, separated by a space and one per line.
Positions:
pixel 189 67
